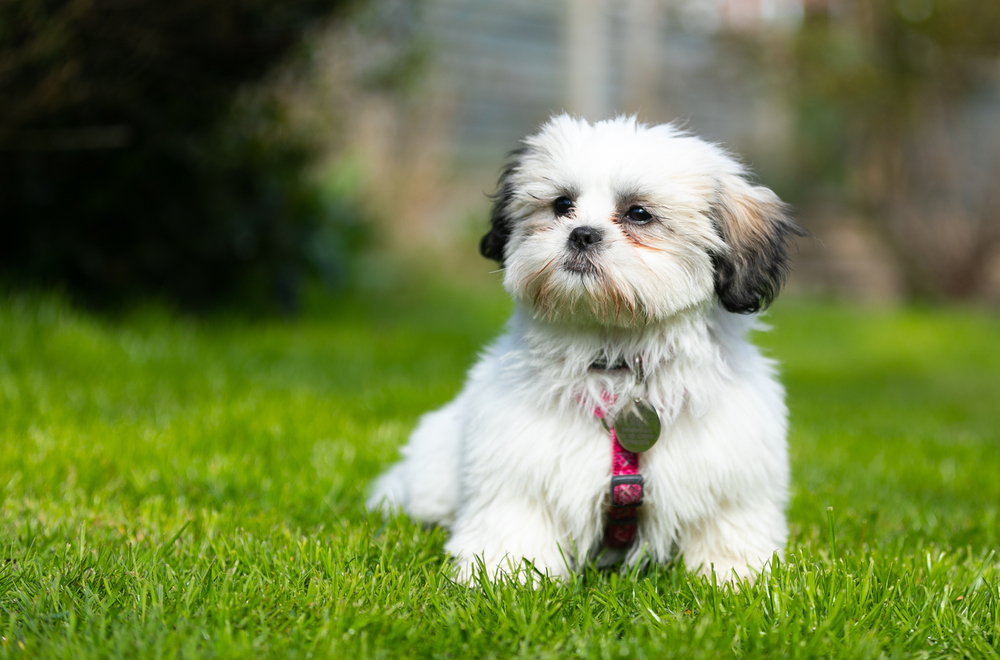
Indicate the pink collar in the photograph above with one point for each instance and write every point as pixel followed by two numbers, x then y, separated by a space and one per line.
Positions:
pixel 626 494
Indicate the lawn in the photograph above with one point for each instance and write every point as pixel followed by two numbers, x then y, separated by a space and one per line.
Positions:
pixel 178 487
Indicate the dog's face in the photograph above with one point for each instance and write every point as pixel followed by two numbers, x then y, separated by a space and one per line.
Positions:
pixel 621 224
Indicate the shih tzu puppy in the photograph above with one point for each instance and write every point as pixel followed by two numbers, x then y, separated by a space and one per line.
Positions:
pixel 624 414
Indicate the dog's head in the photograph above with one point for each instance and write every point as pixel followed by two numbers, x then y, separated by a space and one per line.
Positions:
pixel 623 224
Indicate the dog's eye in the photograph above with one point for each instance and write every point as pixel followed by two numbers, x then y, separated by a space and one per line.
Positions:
pixel 638 215
pixel 562 205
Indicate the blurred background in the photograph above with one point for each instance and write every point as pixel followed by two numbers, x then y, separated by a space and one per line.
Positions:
pixel 244 151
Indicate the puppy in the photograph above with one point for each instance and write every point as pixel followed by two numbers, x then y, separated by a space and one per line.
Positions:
pixel 623 414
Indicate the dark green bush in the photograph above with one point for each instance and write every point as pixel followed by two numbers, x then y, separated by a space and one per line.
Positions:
pixel 133 161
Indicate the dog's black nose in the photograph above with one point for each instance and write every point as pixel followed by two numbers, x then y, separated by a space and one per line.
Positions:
pixel 582 238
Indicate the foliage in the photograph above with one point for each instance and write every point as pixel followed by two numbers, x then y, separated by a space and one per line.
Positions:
pixel 887 96
pixel 133 159
pixel 194 488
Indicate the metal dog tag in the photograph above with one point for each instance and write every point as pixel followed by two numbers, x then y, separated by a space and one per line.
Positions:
pixel 639 429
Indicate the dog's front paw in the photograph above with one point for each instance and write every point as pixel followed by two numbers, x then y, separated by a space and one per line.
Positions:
pixel 731 570
pixel 736 546
pixel 517 542
pixel 476 569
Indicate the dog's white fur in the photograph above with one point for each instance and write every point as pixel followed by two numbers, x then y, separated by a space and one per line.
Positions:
pixel 517 466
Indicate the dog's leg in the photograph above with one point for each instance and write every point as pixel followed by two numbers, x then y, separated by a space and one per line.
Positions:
pixel 501 535
pixel 424 484
pixel 736 543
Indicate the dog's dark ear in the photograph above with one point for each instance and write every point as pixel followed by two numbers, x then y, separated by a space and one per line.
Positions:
pixel 494 242
pixel 756 227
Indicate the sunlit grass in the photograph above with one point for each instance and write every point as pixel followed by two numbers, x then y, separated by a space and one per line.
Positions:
pixel 193 488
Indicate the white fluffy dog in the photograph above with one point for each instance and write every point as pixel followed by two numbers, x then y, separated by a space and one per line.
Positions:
pixel 636 257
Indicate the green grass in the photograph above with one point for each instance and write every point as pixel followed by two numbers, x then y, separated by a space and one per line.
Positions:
pixel 183 488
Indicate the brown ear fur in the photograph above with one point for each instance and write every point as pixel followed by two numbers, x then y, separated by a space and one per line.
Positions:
pixel 756 227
